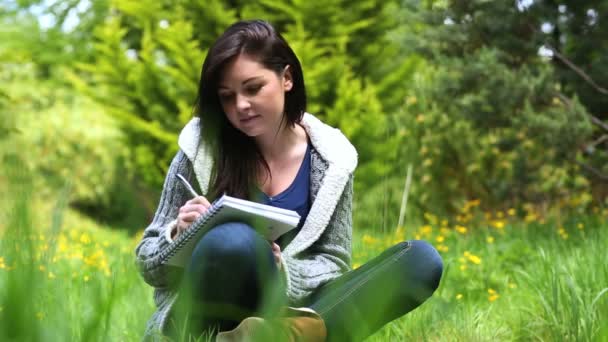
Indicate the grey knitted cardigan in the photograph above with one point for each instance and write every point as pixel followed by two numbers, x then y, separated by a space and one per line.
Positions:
pixel 320 252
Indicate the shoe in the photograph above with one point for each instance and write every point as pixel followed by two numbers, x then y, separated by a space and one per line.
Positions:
pixel 300 325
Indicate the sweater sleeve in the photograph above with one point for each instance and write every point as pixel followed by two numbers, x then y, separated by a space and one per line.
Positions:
pixel 328 258
pixel 154 239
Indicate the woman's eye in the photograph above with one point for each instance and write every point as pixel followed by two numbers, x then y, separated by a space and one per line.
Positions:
pixel 254 89
pixel 225 97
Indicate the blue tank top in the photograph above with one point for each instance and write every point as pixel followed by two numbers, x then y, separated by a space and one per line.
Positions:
pixel 296 197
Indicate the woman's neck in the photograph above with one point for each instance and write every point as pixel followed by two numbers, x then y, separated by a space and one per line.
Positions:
pixel 277 147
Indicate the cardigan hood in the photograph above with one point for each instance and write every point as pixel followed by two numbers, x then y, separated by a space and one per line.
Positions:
pixel 329 142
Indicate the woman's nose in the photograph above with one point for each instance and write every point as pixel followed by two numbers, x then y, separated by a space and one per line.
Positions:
pixel 242 103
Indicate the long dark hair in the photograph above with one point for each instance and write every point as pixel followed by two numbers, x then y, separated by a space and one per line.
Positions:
pixel 237 157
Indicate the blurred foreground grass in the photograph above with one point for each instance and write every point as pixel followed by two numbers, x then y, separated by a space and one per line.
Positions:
pixel 63 277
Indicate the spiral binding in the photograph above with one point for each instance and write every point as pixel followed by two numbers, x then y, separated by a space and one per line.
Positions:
pixel 183 240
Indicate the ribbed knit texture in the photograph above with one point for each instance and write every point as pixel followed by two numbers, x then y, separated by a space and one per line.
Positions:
pixel 321 251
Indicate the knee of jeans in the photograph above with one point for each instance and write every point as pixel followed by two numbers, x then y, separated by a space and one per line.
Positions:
pixel 428 265
pixel 229 242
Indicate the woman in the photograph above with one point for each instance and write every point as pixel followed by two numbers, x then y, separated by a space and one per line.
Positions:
pixel 253 139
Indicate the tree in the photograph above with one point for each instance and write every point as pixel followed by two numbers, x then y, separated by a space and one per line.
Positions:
pixel 495 119
pixel 148 56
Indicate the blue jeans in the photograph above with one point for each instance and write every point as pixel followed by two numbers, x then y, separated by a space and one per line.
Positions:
pixel 232 275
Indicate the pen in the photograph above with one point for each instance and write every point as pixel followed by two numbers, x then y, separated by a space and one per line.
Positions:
pixel 187 185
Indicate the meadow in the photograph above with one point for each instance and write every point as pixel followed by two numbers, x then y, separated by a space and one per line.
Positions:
pixel 496 109
pixel 65 277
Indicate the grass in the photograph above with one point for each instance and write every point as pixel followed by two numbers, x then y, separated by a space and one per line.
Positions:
pixel 64 277
pixel 531 283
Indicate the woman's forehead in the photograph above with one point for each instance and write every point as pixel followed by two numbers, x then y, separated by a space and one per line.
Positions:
pixel 241 70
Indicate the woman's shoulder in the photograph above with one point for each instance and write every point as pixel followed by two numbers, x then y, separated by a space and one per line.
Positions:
pixel 330 143
pixel 189 138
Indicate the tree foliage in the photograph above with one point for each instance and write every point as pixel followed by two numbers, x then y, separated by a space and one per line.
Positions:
pixel 501 101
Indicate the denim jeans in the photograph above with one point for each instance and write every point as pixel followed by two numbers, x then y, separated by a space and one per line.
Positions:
pixel 232 275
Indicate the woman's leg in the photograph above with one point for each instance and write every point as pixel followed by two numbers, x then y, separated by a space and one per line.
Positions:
pixel 361 301
pixel 230 272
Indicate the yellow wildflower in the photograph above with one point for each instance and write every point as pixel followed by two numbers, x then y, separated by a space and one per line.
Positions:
pixel 531 217
pixel 493 295
pixel 511 212
pixel 440 238
pixel 368 239
pixel 85 238
pixel 427 162
pixel 490 239
pixel 459 296
pixel 498 224
pixel 426 230
pixel 420 118
pixel 86 278
pixel 475 259
pixel 461 229
pixel 442 248
pixel 463 267
pixel 474 203
pixel 580 226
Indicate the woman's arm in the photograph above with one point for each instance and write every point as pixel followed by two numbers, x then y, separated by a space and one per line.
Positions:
pixel 155 237
pixel 328 258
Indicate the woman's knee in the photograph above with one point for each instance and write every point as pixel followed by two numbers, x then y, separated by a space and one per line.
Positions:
pixel 230 242
pixel 426 265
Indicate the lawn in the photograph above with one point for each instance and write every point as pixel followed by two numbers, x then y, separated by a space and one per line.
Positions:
pixel 506 277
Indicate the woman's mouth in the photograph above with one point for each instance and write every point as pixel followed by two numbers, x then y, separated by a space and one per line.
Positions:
pixel 249 119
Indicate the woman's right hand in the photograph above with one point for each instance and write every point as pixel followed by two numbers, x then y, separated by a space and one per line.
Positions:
pixel 189 212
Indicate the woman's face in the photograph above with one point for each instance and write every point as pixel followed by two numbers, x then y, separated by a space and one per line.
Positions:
pixel 252 96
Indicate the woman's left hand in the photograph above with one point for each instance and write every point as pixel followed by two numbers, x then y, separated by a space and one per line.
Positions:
pixel 276 250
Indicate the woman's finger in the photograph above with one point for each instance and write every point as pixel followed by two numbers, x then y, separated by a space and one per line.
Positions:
pixel 200 200
pixel 189 217
pixel 199 208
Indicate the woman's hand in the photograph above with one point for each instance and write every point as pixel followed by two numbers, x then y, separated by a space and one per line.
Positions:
pixel 189 212
pixel 276 250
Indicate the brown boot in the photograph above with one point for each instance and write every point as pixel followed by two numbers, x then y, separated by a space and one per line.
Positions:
pixel 300 325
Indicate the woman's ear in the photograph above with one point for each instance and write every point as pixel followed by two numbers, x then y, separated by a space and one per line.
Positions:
pixel 287 79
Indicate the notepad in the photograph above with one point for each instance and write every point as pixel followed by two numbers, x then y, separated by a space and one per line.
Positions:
pixel 270 222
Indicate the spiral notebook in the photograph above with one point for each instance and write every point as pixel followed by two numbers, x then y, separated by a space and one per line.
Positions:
pixel 271 222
